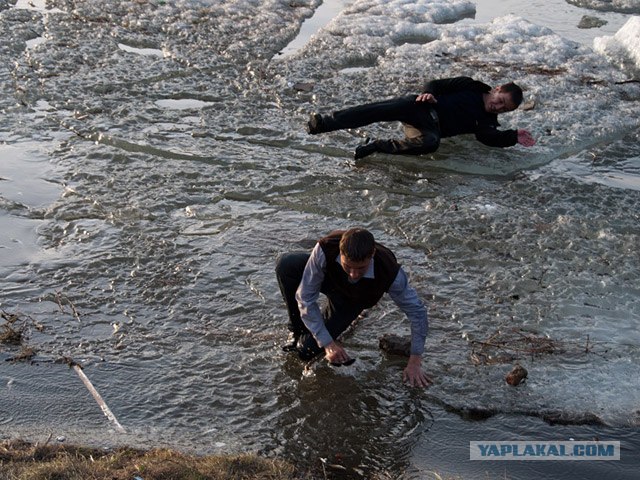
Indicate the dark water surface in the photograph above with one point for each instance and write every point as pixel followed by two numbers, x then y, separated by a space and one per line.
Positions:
pixel 154 165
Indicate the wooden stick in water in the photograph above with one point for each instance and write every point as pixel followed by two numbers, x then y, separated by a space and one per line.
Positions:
pixel 105 409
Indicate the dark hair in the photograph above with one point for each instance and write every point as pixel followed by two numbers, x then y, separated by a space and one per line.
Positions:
pixel 357 244
pixel 514 91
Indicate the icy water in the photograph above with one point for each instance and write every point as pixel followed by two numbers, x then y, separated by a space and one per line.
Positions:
pixel 154 164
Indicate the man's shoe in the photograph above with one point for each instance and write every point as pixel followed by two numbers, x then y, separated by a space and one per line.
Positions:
pixel 291 344
pixel 315 124
pixel 365 150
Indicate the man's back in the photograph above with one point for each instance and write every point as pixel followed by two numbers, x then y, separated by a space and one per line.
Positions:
pixel 462 112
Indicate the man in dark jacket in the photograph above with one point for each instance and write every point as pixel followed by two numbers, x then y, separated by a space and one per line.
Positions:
pixel 354 272
pixel 447 107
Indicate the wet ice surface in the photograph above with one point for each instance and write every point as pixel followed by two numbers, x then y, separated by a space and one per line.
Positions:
pixel 175 133
pixel 622 6
pixel 624 46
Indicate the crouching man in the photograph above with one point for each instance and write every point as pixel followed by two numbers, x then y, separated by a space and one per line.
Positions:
pixel 353 272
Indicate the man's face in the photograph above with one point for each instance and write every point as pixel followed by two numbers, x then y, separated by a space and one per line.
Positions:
pixel 354 270
pixel 498 101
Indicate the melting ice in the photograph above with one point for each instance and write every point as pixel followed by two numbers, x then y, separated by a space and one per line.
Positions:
pixel 179 283
pixel 624 46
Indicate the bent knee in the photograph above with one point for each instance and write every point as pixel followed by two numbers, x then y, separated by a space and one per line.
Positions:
pixel 281 262
pixel 287 262
pixel 426 143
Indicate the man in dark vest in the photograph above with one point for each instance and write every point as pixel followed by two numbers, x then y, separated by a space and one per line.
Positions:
pixel 354 272
pixel 446 107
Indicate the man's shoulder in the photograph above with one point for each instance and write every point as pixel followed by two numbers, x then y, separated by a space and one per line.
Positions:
pixel 330 243
pixel 332 236
pixel 386 256
pixel 470 83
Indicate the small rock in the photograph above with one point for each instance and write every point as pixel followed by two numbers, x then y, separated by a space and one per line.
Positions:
pixel 395 344
pixel 516 375
pixel 303 86
pixel 587 21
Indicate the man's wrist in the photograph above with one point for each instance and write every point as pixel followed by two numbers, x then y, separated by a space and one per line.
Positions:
pixel 415 360
pixel 330 347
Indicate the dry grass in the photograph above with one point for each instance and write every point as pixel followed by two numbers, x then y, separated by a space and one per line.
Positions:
pixel 24 461
pixel 513 344
pixel 9 333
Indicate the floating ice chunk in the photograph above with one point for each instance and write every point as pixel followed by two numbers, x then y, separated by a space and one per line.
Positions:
pixel 379 17
pixel 623 6
pixel 508 40
pixel 31 4
pixel 397 20
pixel 183 104
pixel 37 5
pixel 41 107
pixel 35 42
pixel 142 51
pixel 435 11
pixel 625 44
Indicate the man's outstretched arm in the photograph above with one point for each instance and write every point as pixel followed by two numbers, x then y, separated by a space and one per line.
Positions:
pixel 406 298
pixel 493 137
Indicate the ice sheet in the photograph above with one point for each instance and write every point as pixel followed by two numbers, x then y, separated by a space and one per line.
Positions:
pixel 624 45
pixel 625 6
pixel 575 93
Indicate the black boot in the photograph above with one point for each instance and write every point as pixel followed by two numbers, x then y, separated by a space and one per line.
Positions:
pixel 365 150
pixel 291 345
pixel 315 124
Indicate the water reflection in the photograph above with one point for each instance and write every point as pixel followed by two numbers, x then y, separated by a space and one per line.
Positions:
pixel 364 421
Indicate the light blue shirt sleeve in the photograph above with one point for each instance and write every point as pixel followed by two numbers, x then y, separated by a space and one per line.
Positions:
pixel 308 294
pixel 407 300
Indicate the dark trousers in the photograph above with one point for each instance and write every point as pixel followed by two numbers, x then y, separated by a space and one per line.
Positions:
pixel 338 314
pixel 419 119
